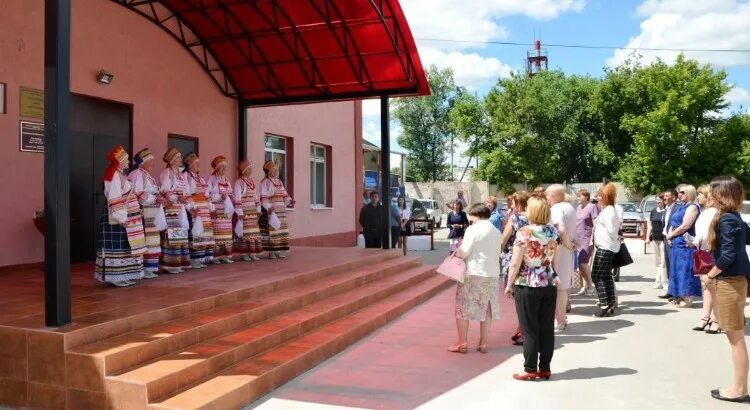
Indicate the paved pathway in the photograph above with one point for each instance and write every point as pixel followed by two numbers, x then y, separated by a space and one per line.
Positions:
pixel 645 357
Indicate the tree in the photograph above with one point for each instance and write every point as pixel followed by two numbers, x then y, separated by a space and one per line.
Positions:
pixel 471 123
pixel 675 134
pixel 541 129
pixel 426 126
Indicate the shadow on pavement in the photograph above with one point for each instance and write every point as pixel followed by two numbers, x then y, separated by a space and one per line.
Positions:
pixel 596 327
pixel 634 304
pixel 647 311
pixel 639 278
pixel 587 373
pixel 563 339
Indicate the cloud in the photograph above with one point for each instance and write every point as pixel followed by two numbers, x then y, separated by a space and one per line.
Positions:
pixel 679 24
pixel 738 96
pixel 470 70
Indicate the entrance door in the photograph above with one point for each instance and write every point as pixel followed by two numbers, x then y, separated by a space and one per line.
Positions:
pixel 97 126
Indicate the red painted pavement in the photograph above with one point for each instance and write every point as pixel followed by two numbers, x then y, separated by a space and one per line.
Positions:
pixel 406 363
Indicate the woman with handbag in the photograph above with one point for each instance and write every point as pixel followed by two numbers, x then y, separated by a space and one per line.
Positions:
pixel 727 238
pixel 477 296
pixel 683 284
pixel 709 324
pixel 606 245
pixel 533 285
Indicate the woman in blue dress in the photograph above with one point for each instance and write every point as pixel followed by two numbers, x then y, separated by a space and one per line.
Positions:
pixel 683 284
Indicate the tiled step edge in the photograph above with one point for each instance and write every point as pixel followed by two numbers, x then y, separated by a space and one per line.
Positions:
pixel 168 374
pixel 252 378
pixel 150 317
pixel 127 351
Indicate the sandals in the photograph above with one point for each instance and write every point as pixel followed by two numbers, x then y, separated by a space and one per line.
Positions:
pixel 459 348
pixel 705 322
pixel 482 349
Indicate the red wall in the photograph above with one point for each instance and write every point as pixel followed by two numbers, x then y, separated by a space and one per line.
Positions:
pixel 170 93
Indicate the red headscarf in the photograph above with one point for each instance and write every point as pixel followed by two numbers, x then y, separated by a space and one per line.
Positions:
pixel 118 156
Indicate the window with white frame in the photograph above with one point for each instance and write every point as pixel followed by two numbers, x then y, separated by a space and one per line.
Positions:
pixel 276 151
pixel 318 165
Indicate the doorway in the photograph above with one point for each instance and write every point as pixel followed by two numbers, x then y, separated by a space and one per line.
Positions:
pixel 96 126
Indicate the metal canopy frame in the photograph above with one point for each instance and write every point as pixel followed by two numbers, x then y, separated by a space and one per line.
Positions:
pixel 268 52
pixel 247 48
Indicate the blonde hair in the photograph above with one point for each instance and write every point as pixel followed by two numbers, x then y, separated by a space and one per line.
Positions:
pixel 568 198
pixel 689 191
pixel 538 211
pixel 608 193
pixel 704 190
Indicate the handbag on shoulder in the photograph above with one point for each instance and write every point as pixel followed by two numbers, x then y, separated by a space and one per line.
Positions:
pixel 622 257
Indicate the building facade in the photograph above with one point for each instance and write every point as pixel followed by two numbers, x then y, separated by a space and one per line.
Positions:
pixel 159 96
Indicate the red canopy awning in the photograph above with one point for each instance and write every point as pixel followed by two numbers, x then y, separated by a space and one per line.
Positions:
pixel 265 52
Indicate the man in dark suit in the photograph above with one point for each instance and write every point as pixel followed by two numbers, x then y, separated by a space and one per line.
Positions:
pixel 370 217
pixel 670 201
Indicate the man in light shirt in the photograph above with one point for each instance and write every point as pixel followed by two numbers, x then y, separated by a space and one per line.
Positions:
pixel 563 216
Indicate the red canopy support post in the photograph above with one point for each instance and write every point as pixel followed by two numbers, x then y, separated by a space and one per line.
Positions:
pixel 385 171
pixel 57 303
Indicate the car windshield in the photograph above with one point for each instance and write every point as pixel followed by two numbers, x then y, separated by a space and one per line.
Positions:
pixel 649 206
pixel 628 207
pixel 427 204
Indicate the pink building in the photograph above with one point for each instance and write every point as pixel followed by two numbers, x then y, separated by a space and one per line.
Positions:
pixel 159 96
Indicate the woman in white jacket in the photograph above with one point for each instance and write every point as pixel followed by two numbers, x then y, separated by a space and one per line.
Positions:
pixel 709 323
pixel 606 245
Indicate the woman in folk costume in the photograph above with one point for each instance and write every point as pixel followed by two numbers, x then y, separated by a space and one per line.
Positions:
pixel 119 257
pixel 201 244
pixel 154 221
pixel 274 200
pixel 174 186
pixel 221 197
pixel 248 242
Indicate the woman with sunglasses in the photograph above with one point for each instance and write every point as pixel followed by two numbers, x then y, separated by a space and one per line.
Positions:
pixel 683 284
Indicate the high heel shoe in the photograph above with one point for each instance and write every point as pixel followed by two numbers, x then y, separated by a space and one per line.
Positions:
pixel 482 348
pixel 459 348
pixel 526 376
pixel 544 375
pixel 711 329
pixel 705 322
pixel 608 311
pixel 516 336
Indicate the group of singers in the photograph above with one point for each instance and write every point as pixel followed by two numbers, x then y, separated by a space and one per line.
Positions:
pixel 179 220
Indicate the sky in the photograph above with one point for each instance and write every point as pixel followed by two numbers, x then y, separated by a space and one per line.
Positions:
pixel 673 24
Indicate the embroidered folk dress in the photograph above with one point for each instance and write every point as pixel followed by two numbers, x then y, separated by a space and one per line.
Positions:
pixel 220 189
pixel 250 242
pixel 175 245
pixel 122 242
pixel 274 199
pixel 146 189
pixel 202 245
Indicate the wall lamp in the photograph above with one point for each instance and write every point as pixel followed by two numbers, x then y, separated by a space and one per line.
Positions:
pixel 104 77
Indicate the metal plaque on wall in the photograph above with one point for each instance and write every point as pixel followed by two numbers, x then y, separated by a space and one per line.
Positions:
pixel 32 102
pixel 32 136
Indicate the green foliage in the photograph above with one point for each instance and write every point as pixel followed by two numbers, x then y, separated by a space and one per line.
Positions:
pixel 650 126
pixel 427 130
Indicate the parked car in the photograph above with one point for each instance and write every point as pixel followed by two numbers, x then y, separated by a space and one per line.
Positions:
pixel 631 218
pixel 745 214
pixel 433 211
pixel 648 203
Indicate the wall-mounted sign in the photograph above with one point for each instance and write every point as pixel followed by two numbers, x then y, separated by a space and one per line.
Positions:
pixel 32 136
pixel 32 103
pixel 2 98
